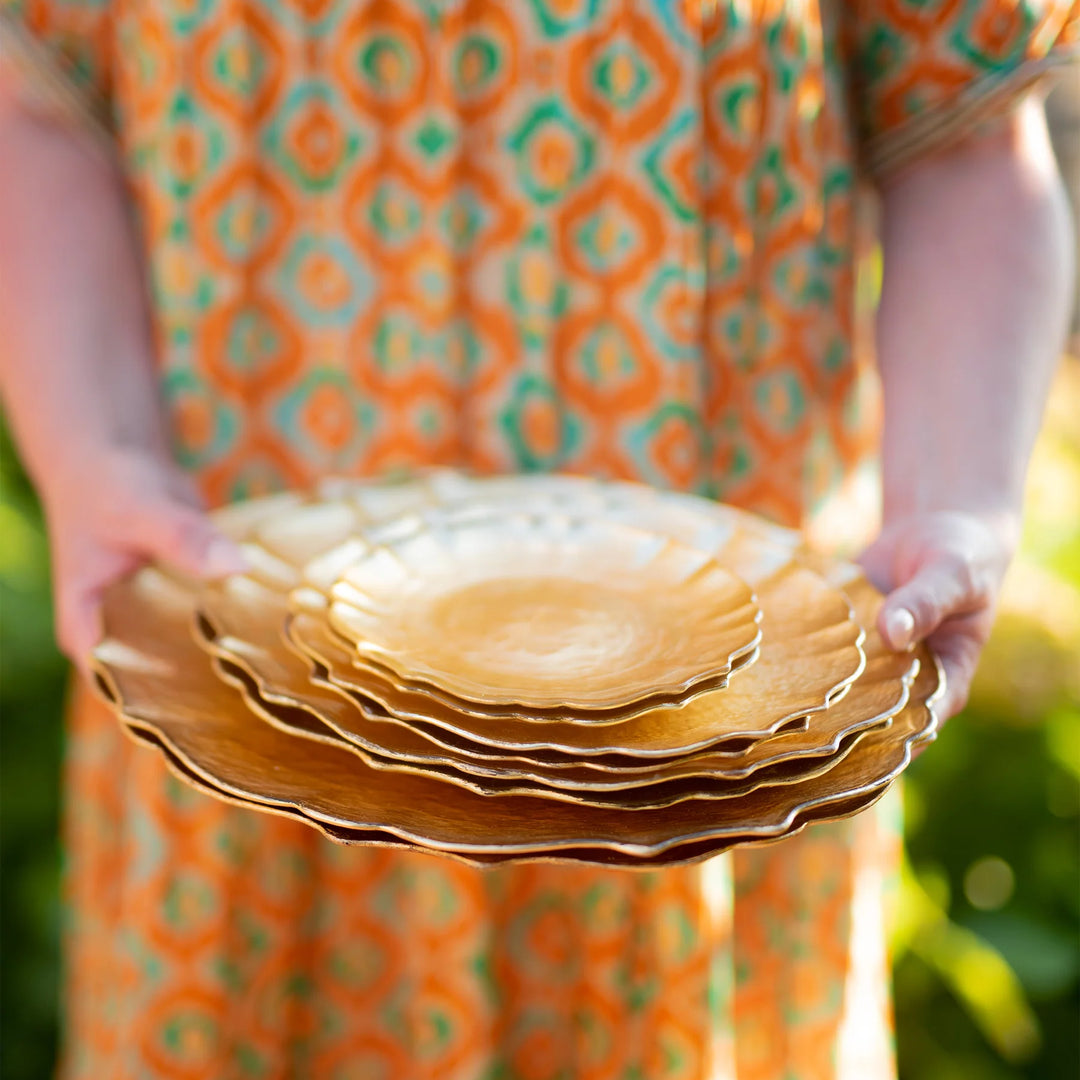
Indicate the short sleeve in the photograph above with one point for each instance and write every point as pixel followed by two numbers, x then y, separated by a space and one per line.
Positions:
pixel 58 53
pixel 927 72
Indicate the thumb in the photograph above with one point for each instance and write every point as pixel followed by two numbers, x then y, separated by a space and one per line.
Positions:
pixel 941 587
pixel 184 536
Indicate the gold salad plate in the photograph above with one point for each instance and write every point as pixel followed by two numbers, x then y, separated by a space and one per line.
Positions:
pixel 544 611
pixel 810 654
pixel 163 684
pixel 810 659
pixel 253 692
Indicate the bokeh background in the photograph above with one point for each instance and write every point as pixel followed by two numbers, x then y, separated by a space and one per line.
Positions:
pixel 987 929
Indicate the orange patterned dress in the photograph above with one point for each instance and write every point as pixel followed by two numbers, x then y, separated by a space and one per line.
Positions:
pixel 610 236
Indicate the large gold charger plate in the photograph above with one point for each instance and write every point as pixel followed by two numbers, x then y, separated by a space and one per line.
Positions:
pixel 677 855
pixel 160 681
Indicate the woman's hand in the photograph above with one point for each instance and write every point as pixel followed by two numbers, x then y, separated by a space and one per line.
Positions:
pixel 137 506
pixel 942 572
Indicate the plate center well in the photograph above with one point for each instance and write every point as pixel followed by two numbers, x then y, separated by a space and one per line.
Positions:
pixel 542 626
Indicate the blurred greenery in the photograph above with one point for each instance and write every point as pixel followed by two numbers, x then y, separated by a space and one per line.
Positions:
pixel 986 939
pixel 32 680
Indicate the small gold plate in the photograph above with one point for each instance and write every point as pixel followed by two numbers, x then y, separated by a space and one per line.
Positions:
pixel 543 611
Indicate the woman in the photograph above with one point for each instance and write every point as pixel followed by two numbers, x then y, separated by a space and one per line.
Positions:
pixel 609 236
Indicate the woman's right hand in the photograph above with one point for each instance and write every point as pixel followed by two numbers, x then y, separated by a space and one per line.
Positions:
pixel 123 508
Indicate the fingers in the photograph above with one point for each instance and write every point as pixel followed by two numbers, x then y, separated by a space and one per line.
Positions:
pixel 156 528
pixel 151 512
pixel 184 536
pixel 941 572
pixel 943 587
pixel 958 643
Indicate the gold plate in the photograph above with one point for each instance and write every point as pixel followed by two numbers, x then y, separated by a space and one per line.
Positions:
pixel 810 654
pixel 238 623
pixel 678 855
pixel 545 611
pixel 873 700
pixel 518 780
pixel 882 692
pixel 358 672
pixel 753 553
pixel 158 679
pixel 323 545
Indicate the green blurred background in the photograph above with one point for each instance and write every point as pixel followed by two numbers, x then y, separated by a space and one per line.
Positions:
pixel 987 928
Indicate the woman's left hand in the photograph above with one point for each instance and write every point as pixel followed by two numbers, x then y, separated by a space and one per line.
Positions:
pixel 941 572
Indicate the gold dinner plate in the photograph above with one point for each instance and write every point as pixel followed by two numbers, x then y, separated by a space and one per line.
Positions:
pixel 516 780
pixel 678 855
pixel 873 700
pixel 158 679
pixel 545 611
pixel 239 622
pixel 707 779
pixel 322 541
pixel 236 625
pixel 881 692
pixel 810 654
pixel 759 550
pixel 277 687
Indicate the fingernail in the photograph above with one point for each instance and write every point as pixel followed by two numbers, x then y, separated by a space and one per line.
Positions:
pixel 900 627
pixel 223 557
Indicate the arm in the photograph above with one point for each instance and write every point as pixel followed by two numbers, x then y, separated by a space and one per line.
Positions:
pixel 76 373
pixel 977 286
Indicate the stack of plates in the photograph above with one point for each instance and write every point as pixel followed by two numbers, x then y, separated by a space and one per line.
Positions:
pixel 520 668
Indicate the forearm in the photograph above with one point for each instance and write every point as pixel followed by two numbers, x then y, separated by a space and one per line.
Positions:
pixel 76 372
pixel 977 286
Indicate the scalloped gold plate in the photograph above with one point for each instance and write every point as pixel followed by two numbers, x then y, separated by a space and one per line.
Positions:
pixel 245 612
pixel 679 855
pixel 545 611
pixel 810 654
pixel 871 703
pixel 752 548
pixel 159 680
